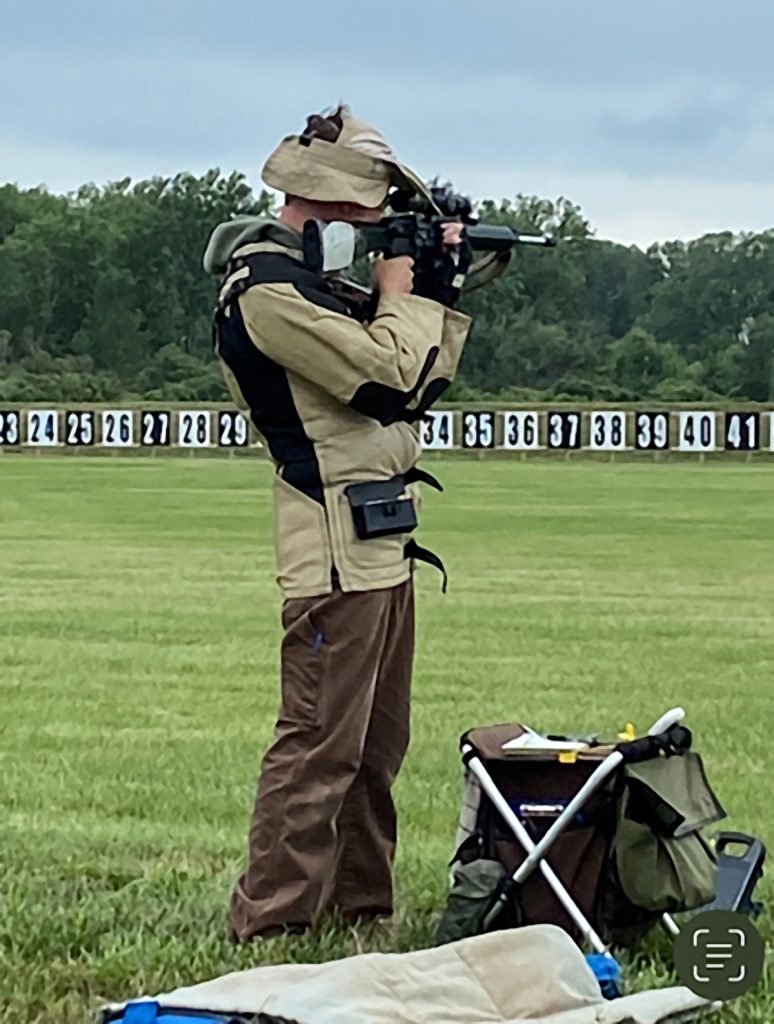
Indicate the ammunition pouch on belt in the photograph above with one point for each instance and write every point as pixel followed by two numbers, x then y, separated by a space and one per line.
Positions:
pixel 381 508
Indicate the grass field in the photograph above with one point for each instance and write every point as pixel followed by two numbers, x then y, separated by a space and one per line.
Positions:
pixel 138 683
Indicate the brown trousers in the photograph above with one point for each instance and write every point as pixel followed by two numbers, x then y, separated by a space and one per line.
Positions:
pixel 323 830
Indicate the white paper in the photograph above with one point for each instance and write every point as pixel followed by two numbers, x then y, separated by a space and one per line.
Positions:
pixel 531 740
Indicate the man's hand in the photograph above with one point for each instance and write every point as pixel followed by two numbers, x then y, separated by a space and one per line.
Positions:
pixel 452 234
pixel 443 281
pixel 395 276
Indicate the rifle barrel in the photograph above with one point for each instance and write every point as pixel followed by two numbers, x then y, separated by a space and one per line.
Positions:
pixel 500 238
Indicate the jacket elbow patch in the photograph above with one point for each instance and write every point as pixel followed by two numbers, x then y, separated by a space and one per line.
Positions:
pixel 385 403
pixel 431 394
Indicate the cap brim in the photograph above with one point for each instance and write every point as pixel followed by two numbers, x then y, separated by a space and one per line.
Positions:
pixel 404 177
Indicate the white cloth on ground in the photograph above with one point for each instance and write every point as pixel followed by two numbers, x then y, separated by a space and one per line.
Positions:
pixel 532 975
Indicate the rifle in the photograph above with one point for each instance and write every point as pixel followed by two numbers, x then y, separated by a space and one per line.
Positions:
pixel 415 229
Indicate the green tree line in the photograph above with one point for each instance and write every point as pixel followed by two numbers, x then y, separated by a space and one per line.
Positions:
pixel 103 297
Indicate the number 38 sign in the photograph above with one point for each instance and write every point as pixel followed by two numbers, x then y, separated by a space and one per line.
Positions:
pixel 607 431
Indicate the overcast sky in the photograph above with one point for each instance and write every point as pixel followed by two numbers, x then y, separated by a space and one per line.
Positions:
pixel 656 116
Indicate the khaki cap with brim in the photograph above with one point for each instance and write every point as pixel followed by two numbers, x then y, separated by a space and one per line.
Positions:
pixel 358 167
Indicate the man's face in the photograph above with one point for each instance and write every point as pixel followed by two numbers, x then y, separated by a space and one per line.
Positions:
pixel 354 213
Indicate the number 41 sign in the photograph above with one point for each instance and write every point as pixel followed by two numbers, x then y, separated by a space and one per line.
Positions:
pixel 742 431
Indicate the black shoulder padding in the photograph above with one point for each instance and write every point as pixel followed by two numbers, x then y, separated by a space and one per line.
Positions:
pixel 322 298
pixel 264 386
pixel 432 393
pixel 279 268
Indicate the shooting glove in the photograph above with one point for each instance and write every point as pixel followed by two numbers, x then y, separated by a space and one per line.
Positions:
pixel 443 279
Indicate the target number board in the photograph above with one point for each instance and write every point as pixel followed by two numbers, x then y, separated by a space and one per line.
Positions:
pixel 123 428
pixel 564 429
pixel 436 431
pixel 521 430
pixel 608 430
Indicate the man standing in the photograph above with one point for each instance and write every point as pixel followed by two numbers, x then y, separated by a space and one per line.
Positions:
pixel 334 399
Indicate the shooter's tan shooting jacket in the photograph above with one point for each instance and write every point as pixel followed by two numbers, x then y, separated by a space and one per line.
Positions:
pixel 333 398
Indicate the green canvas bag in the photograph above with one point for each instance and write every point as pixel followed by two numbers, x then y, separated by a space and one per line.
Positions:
pixel 473 892
pixel 662 860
